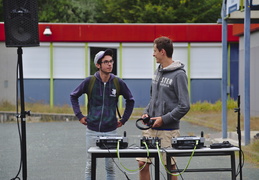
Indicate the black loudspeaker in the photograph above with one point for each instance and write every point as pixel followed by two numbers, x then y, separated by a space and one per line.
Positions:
pixel 21 23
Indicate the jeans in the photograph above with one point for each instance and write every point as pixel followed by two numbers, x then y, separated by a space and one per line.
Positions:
pixel 91 137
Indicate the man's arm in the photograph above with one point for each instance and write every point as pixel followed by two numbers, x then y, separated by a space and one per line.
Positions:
pixel 183 96
pixel 125 92
pixel 74 96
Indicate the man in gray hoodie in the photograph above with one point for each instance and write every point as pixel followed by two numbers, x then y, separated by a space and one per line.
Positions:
pixel 169 100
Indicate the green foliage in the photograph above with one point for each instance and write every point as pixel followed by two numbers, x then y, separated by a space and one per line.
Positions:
pixel 60 11
pixel 1 11
pixel 151 11
pixel 36 108
pixel 255 146
pixel 206 106
pixel 45 108
pixel 127 11
pixel 251 152
pixel 6 106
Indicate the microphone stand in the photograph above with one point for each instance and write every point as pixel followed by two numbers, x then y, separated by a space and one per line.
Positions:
pixel 239 135
pixel 22 116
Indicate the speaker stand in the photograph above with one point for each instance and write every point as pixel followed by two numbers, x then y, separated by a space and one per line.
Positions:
pixel 22 116
pixel 239 137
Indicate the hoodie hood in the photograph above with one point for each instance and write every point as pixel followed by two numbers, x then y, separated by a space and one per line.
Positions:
pixel 169 95
pixel 172 67
pixel 97 75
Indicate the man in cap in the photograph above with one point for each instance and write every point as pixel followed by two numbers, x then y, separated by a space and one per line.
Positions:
pixel 102 101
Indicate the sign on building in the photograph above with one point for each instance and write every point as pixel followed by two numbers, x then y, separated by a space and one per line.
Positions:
pixel 232 5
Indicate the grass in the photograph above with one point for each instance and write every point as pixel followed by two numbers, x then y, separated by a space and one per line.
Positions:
pixel 209 115
pixel 201 113
pixel 37 108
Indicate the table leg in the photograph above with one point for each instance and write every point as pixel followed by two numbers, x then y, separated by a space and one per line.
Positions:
pixel 168 165
pixel 233 165
pixel 93 167
pixel 157 170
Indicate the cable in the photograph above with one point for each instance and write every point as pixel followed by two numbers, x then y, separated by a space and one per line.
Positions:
pixel 16 177
pixel 115 162
pixel 175 165
pixel 17 120
pixel 240 166
pixel 168 171
pixel 130 170
pixel 159 171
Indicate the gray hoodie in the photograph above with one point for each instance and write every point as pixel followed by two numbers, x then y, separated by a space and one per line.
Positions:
pixel 169 95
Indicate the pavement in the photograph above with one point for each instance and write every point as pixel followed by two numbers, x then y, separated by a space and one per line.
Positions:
pixel 232 137
pixel 56 151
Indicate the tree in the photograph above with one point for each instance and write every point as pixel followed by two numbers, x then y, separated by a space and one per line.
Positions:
pixel 69 11
pixel 65 11
pixel 1 11
pixel 158 11
pixel 127 11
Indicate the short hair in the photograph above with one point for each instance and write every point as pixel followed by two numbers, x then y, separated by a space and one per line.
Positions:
pixel 166 44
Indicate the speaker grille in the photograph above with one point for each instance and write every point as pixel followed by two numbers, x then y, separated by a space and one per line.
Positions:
pixel 21 23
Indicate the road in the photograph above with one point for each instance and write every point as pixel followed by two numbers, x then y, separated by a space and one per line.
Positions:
pixel 56 151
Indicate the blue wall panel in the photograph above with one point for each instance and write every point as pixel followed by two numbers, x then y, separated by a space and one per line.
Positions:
pixel 140 89
pixel 205 90
pixel 62 90
pixel 36 90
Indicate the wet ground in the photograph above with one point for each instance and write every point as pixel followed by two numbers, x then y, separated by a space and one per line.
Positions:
pixel 56 151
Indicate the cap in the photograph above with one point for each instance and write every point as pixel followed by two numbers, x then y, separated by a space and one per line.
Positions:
pixel 101 54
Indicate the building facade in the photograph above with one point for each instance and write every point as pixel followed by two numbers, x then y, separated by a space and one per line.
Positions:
pixel 254 64
pixel 64 58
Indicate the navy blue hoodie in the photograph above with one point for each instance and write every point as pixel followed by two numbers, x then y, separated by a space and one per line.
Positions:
pixel 102 103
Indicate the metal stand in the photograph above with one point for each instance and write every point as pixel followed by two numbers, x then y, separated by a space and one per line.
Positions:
pixel 239 136
pixel 23 115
